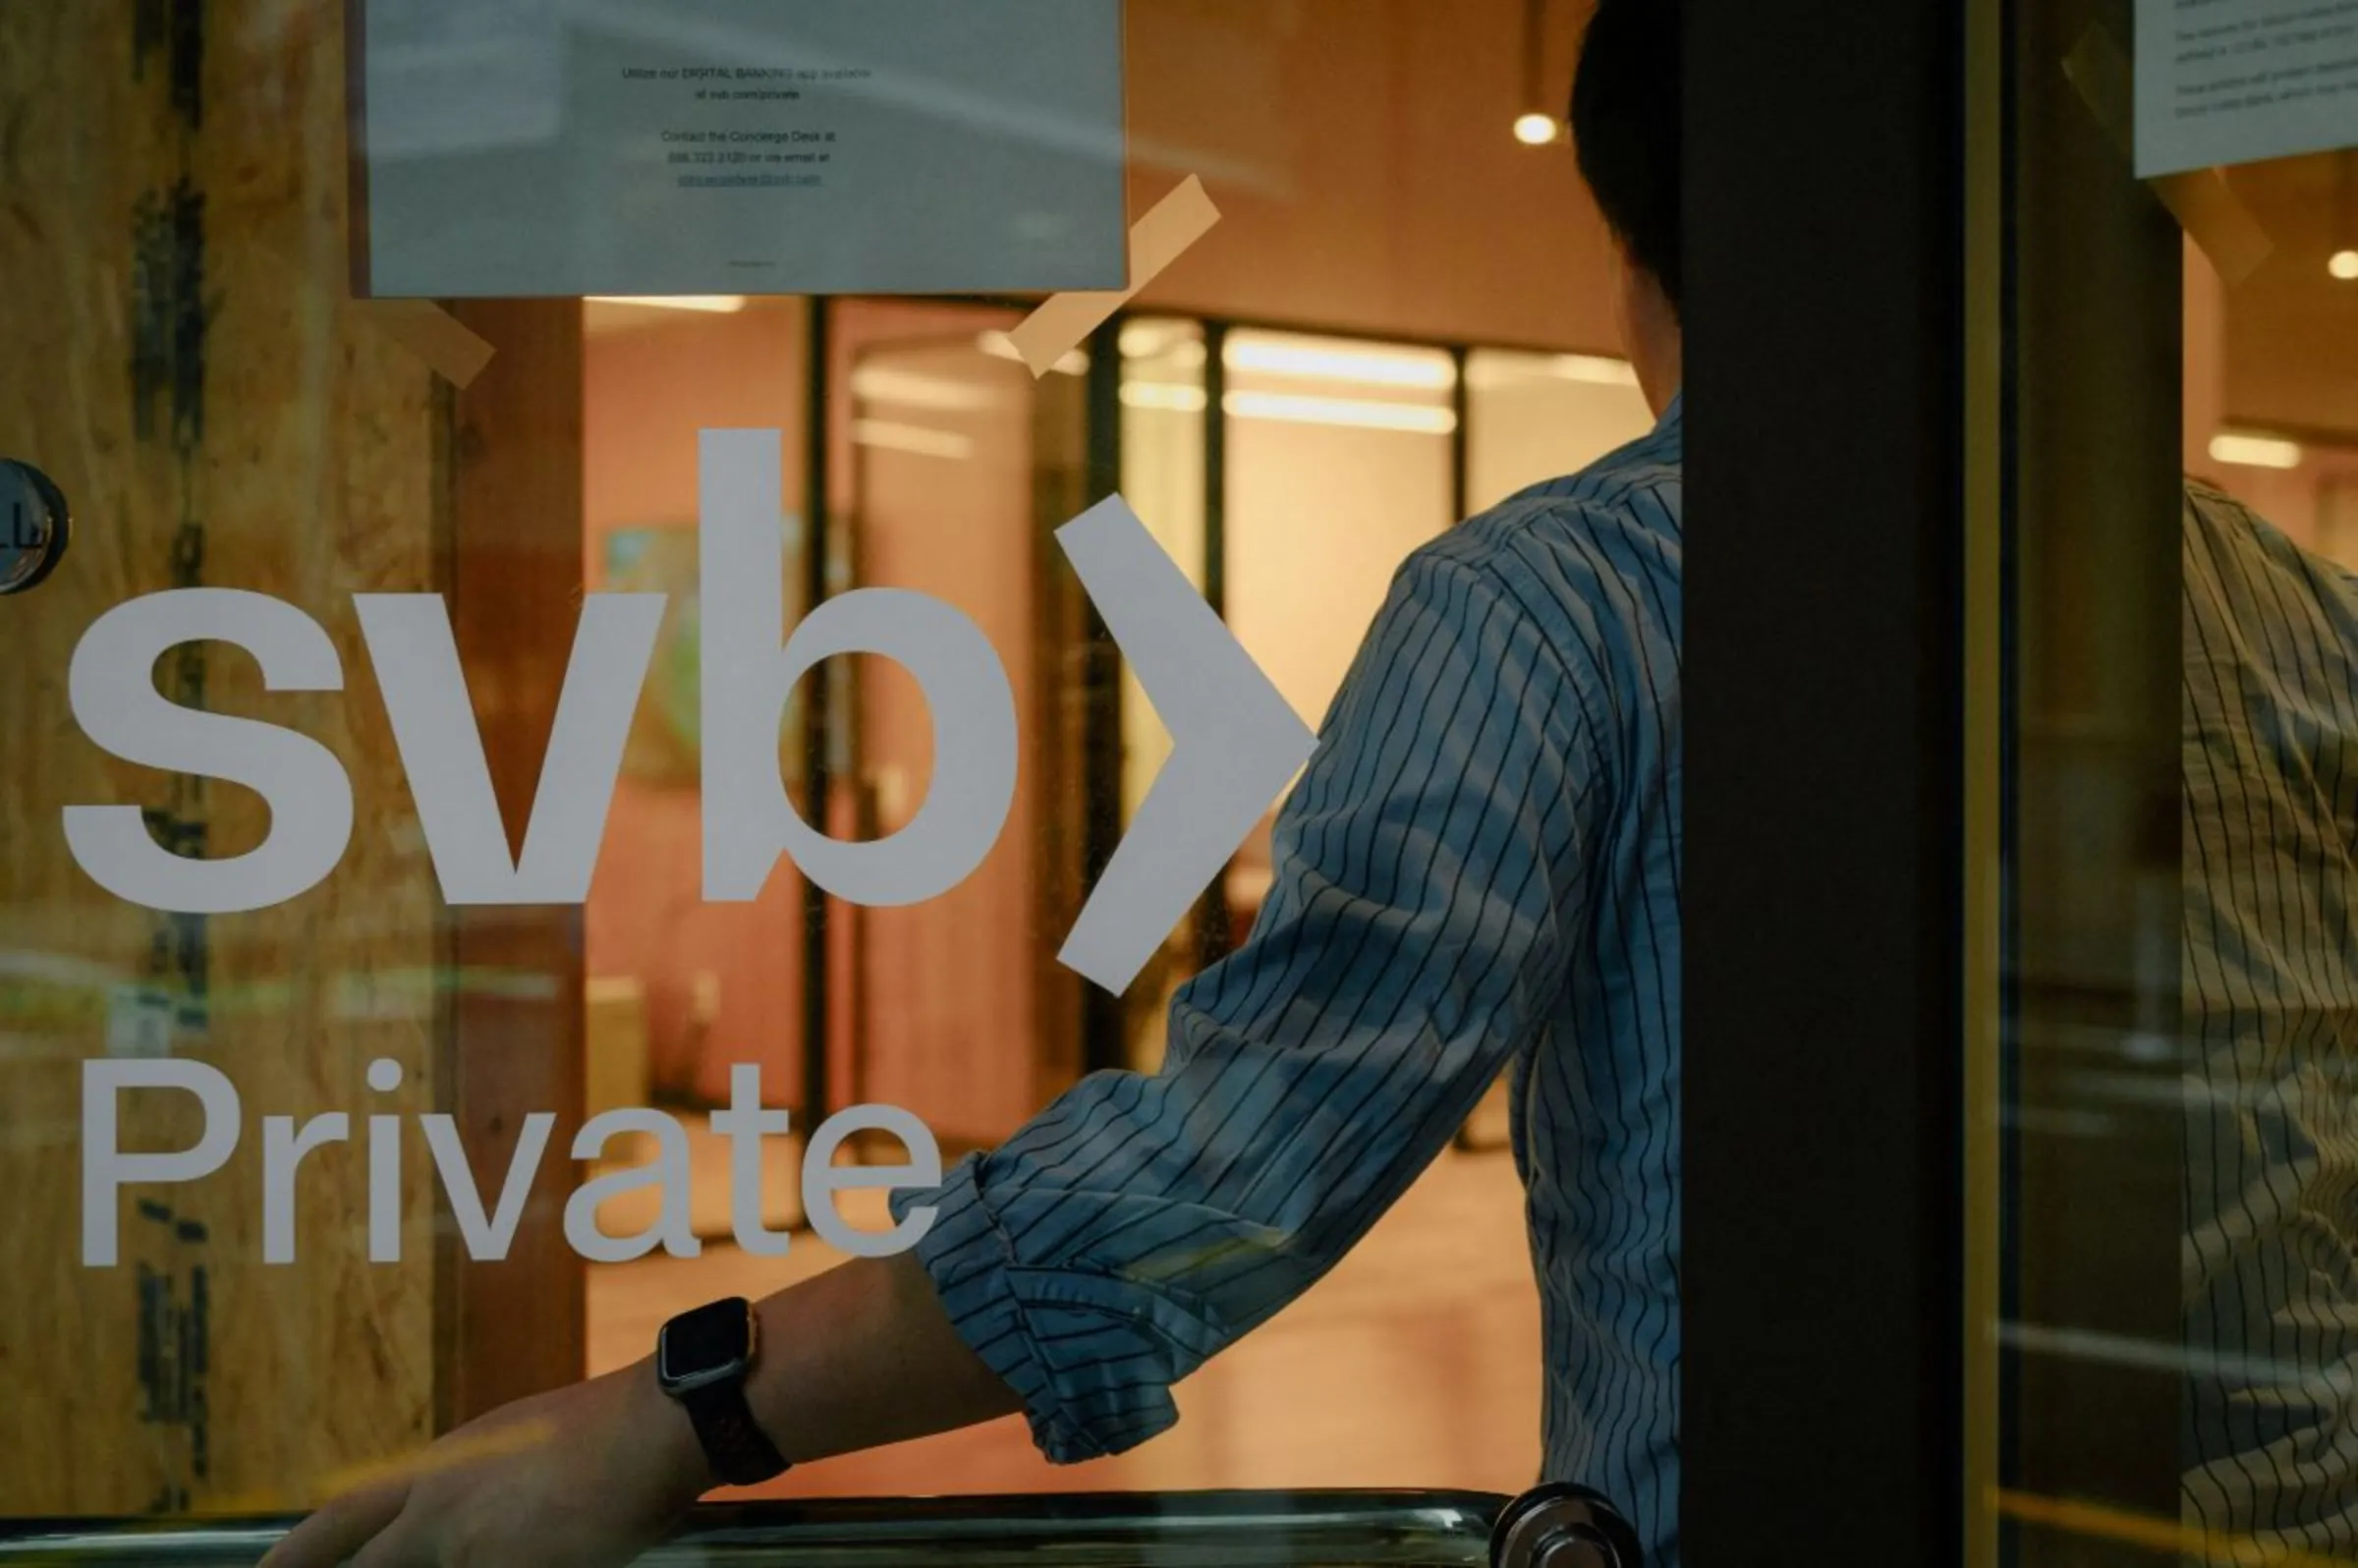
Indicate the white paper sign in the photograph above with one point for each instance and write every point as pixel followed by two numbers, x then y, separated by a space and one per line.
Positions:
pixel 2223 82
pixel 561 148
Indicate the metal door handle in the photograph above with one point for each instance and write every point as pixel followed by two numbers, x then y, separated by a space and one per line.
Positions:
pixel 1563 1526
pixel 1173 1529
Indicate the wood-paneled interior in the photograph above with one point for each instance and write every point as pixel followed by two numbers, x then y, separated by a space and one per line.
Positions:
pixel 177 351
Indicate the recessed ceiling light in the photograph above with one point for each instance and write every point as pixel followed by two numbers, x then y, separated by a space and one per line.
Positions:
pixel 2254 452
pixel 708 303
pixel 1429 369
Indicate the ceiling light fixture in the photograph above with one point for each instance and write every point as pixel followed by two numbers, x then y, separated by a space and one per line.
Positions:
pixel 2254 452
pixel 915 439
pixel 1370 366
pixel 1406 418
pixel 1144 339
pixel 1595 370
pixel 1537 126
pixel 1165 397
pixel 704 304
pixel 1510 370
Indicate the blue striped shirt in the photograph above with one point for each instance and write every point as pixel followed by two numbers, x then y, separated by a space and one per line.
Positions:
pixel 1478 871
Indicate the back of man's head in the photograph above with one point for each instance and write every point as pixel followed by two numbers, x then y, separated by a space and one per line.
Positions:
pixel 1625 126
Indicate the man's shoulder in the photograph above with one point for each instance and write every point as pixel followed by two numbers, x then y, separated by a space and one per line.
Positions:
pixel 1594 558
pixel 1594 532
pixel 2226 538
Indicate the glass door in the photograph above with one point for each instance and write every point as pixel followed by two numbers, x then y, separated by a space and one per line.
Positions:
pixel 421 999
pixel 2176 1289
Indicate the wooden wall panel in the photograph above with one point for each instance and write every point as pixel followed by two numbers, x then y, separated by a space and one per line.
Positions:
pixel 177 351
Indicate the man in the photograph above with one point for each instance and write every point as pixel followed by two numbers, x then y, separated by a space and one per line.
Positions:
pixel 1481 867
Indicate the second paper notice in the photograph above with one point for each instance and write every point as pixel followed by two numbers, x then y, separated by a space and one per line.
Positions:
pixel 2222 81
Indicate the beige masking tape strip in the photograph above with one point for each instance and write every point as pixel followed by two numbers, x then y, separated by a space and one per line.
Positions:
pixel 2208 209
pixel 2203 203
pixel 446 345
pixel 1157 239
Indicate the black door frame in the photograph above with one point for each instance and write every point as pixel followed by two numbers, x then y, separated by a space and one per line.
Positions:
pixel 1822 1271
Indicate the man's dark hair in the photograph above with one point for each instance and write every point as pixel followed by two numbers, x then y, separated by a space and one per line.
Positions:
pixel 1625 125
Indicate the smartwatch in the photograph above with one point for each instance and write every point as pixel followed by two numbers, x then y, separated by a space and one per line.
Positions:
pixel 701 1361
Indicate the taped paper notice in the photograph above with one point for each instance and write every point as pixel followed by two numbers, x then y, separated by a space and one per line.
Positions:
pixel 2223 82
pixel 2203 203
pixel 1158 239
pixel 530 149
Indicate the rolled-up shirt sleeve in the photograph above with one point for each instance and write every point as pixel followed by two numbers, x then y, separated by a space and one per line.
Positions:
pixel 1428 869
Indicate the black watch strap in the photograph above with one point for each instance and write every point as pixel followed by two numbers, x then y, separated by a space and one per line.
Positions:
pixel 740 1451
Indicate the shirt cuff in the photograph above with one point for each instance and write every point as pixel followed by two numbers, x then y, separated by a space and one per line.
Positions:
pixel 973 1263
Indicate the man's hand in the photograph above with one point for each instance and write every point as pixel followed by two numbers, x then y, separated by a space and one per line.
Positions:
pixel 591 1477
pixel 581 1478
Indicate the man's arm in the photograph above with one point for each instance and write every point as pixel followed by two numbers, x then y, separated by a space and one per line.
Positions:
pixel 856 1357
pixel 1432 872
pixel 862 1355
pixel 1432 868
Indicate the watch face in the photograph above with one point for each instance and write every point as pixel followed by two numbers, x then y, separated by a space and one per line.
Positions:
pixel 705 1346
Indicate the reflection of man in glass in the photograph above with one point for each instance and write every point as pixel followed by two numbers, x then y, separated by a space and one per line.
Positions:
pixel 1480 868
pixel 2271 987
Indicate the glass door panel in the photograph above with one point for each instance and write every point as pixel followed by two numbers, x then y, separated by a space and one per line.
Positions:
pixel 2177 1331
pixel 456 1116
